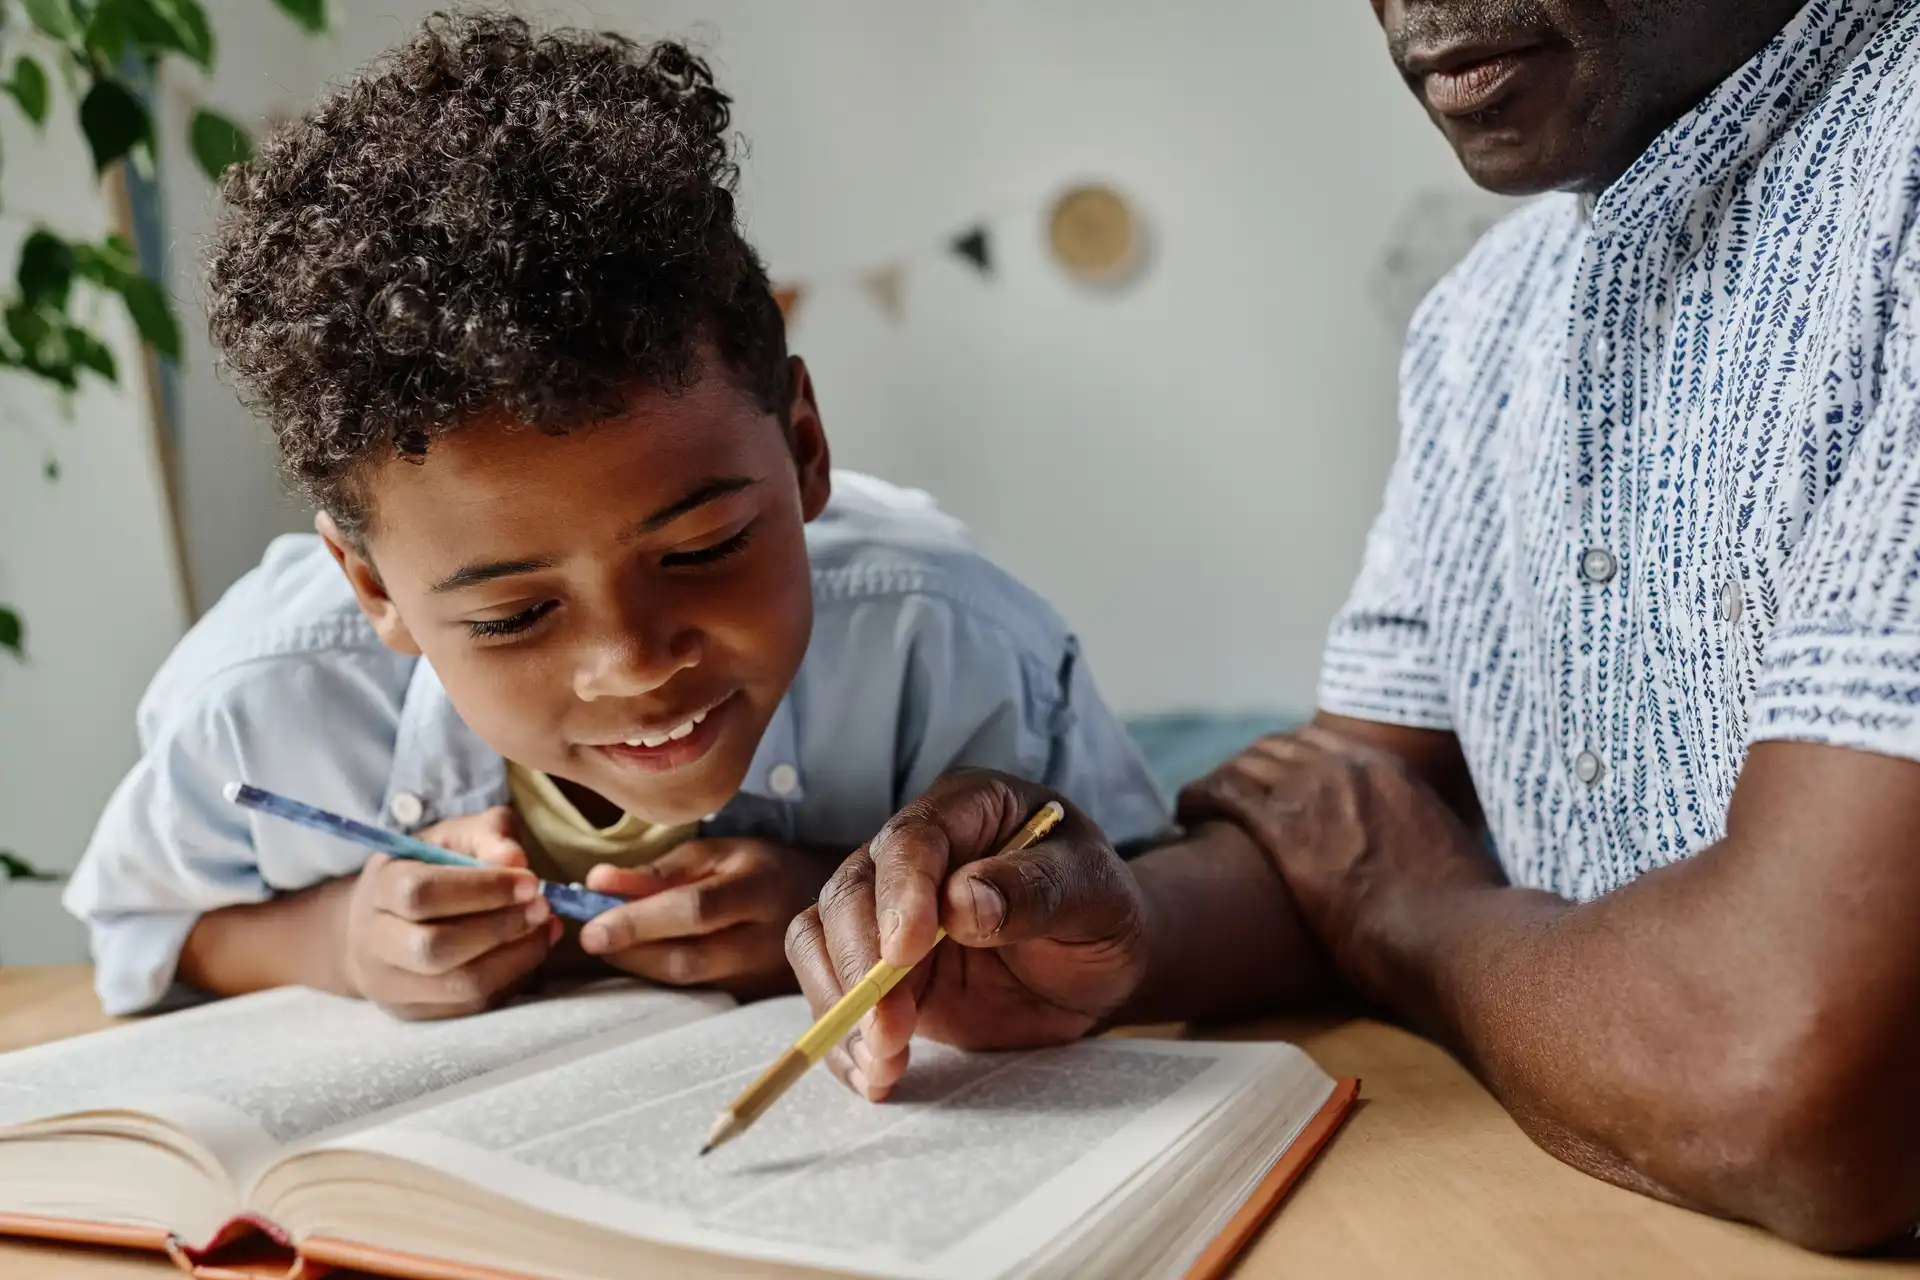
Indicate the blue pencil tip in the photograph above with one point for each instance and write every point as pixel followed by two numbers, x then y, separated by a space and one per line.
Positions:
pixel 231 791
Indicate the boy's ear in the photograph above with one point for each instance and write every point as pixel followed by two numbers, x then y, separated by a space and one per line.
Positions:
pixel 812 460
pixel 367 588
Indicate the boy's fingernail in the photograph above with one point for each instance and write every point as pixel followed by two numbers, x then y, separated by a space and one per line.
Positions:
pixel 537 910
pixel 593 938
pixel 858 1080
pixel 889 924
pixel 861 1055
pixel 989 908
pixel 524 888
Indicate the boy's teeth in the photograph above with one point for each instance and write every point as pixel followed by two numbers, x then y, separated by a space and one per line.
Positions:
pixel 672 735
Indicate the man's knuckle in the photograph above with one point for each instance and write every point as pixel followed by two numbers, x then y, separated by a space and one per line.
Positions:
pixel 801 933
pixel 846 886
pixel 1043 883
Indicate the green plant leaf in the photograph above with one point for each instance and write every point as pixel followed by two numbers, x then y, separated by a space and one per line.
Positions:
pixel 162 26
pixel 15 867
pixel 13 634
pixel 54 18
pixel 90 353
pixel 114 121
pixel 310 14
pixel 43 346
pixel 190 21
pixel 107 32
pixel 46 269
pixel 218 143
pixel 29 89
pixel 152 314
pixel 106 263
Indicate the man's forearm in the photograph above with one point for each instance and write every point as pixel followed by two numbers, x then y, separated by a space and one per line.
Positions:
pixel 1642 1039
pixel 296 939
pixel 1224 938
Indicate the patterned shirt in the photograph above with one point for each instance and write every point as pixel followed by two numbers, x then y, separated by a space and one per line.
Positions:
pixel 1659 478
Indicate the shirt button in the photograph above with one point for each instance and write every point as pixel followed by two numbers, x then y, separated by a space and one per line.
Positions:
pixel 783 778
pixel 406 808
pixel 1587 768
pixel 1597 565
pixel 1730 603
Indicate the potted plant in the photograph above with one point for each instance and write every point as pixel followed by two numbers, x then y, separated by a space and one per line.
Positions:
pixel 107 56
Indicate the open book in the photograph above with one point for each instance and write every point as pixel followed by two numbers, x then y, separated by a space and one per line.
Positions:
pixel 557 1138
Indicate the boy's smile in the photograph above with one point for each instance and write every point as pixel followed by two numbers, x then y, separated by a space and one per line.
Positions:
pixel 622 606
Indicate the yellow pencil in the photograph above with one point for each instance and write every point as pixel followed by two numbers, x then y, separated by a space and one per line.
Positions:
pixel 834 1025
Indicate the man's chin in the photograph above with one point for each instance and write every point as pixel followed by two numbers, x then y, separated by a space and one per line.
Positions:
pixel 1510 164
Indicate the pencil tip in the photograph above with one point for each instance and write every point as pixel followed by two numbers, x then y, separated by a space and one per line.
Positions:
pixel 707 1148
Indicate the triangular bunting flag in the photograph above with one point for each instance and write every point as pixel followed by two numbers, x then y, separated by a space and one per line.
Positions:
pixel 973 246
pixel 787 296
pixel 887 287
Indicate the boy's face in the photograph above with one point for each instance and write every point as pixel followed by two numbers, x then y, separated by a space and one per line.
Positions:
pixel 622 606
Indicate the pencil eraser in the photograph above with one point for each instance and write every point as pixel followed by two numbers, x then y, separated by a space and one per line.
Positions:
pixel 231 791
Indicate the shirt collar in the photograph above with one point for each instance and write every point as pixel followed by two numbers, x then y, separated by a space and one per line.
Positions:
pixel 775 773
pixel 1743 116
pixel 441 768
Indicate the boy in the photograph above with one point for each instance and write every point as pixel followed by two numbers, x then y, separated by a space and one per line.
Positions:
pixel 579 549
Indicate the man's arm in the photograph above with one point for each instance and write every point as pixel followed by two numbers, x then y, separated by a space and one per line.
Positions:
pixel 1735 1032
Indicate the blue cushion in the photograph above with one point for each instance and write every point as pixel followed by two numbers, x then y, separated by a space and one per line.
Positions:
pixel 1182 746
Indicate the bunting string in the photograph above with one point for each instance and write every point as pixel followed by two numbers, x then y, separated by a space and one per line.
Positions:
pixel 1092 232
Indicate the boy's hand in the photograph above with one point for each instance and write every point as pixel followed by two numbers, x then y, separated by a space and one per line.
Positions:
pixel 1043 943
pixel 439 942
pixel 709 913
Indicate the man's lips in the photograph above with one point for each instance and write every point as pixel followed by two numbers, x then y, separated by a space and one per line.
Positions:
pixel 1463 79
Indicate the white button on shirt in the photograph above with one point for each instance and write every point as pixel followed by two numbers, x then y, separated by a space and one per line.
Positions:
pixel 1750 437
pixel 407 808
pixel 782 779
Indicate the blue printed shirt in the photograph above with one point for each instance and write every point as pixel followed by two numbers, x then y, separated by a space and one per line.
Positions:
pixel 924 657
pixel 1658 491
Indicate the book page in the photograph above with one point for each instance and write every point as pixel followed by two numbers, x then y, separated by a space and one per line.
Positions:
pixel 253 1075
pixel 976 1157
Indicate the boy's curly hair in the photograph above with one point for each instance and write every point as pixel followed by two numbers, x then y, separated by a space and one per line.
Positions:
pixel 488 219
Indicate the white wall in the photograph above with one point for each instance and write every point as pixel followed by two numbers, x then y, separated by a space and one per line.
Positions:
pixel 88 560
pixel 1187 468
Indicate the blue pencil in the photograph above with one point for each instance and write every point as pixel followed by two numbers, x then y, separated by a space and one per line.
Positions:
pixel 567 900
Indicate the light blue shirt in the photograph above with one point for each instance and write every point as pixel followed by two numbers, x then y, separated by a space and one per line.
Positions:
pixel 1658 493
pixel 924 657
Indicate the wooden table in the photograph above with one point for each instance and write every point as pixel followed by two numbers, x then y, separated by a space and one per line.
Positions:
pixel 1429 1178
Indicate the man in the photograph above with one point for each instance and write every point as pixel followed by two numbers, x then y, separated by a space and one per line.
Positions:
pixel 1641 604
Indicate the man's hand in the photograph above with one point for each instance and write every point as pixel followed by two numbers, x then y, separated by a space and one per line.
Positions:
pixel 436 942
pixel 711 913
pixel 1358 837
pixel 1042 944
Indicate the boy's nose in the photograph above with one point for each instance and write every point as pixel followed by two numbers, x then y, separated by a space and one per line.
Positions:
pixel 634 662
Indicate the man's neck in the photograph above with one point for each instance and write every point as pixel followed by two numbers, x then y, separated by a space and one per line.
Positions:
pixel 1720 41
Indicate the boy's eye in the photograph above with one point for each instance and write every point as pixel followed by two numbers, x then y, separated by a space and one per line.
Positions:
pixel 484 628
pixel 707 555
